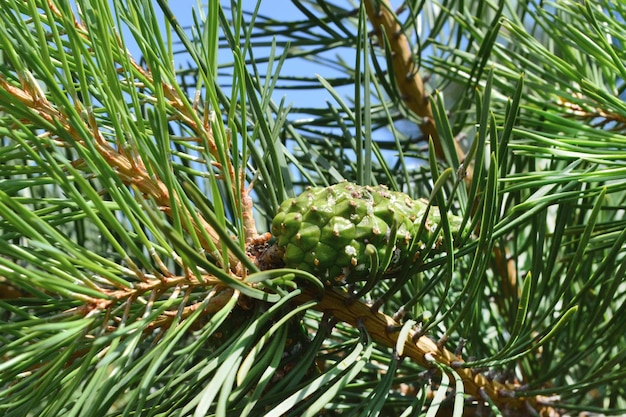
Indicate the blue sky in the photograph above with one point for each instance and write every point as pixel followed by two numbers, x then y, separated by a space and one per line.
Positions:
pixel 183 11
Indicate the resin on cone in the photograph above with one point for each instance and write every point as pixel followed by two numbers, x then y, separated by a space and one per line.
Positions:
pixel 332 231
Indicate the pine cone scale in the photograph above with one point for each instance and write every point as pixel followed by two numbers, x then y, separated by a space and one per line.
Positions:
pixel 326 230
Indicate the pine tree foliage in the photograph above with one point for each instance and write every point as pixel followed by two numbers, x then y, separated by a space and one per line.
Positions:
pixel 137 276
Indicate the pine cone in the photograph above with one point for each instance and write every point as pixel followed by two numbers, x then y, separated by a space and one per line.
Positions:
pixel 333 232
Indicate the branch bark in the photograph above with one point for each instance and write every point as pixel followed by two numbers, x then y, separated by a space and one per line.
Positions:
pixel 409 83
pixel 421 350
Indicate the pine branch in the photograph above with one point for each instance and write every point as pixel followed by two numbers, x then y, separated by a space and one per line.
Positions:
pixel 124 292
pixel 130 167
pixel 409 82
pixel 419 348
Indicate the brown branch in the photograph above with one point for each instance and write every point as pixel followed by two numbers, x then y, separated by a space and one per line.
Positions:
pixel 413 93
pixel 406 72
pixel 219 297
pixel 128 166
pixel 135 173
pixel 422 350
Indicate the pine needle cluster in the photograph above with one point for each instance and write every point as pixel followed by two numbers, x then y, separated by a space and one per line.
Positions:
pixel 138 276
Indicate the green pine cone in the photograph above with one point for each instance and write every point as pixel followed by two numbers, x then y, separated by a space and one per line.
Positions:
pixel 338 233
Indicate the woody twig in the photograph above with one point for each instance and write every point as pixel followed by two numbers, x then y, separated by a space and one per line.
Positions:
pixel 408 80
pixel 415 97
pixel 422 349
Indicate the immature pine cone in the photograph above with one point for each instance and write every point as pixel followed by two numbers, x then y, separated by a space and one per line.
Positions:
pixel 331 231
